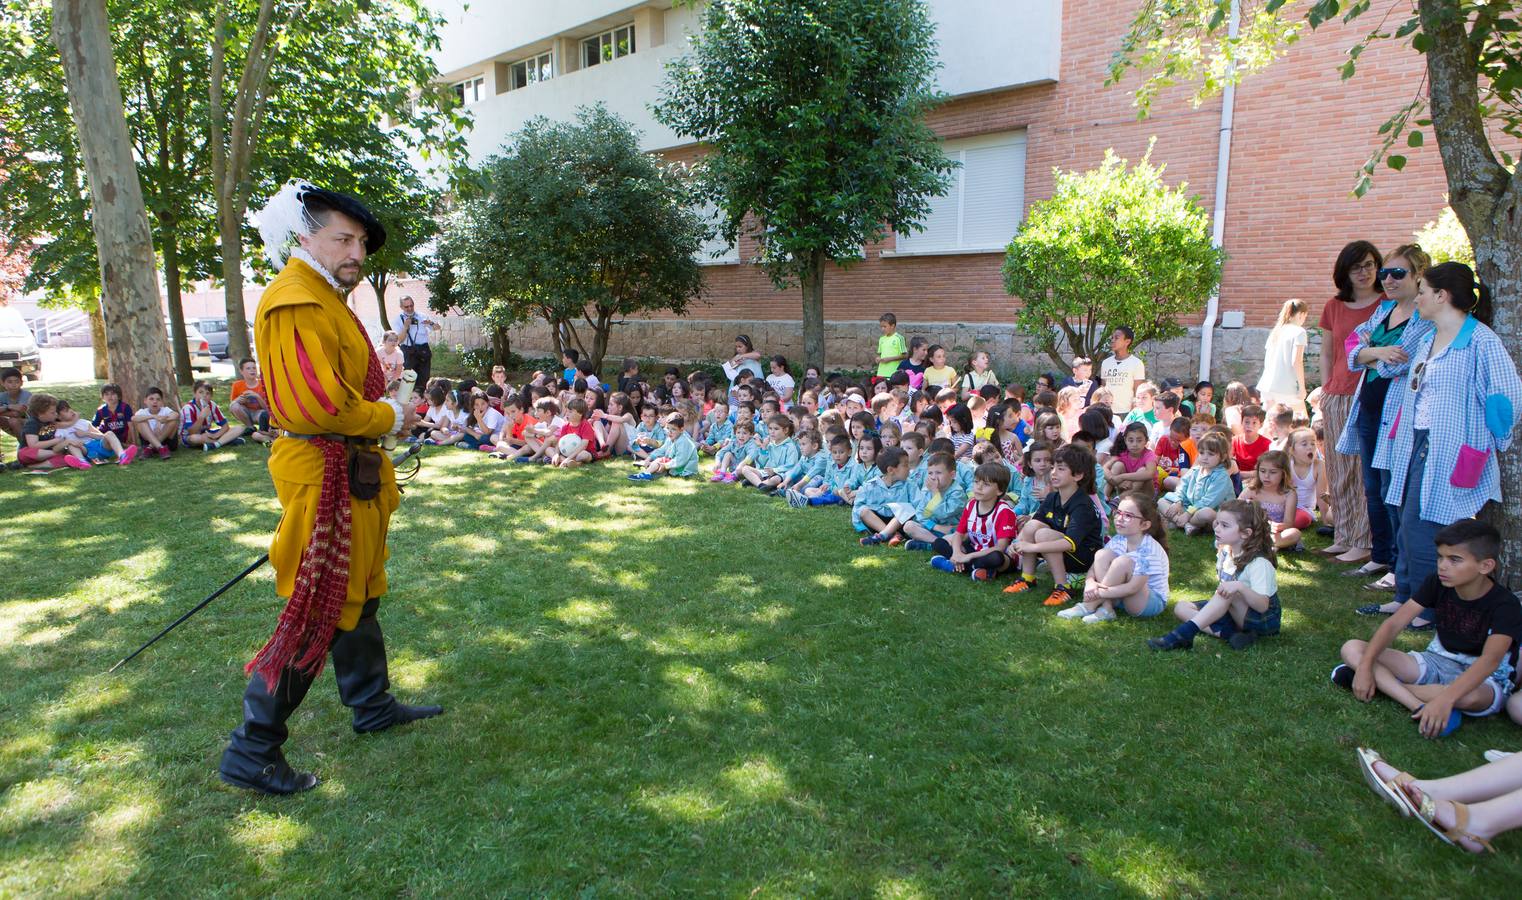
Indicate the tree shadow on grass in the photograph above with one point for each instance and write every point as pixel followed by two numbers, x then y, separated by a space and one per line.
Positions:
pixel 651 692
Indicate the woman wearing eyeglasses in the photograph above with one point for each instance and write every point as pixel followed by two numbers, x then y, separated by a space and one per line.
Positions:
pixel 1356 275
pixel 1375 404
pixel 1457 411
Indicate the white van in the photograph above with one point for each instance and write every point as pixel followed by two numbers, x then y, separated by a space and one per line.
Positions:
pixel 18 346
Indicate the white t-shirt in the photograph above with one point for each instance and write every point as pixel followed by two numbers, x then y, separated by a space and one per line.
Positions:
pixel 491 421
pixel 165 414
pixel 75 431
pixel 782 384
pixel 1259 575
pixel 1121 377
pixel 1279 361
pixel 1149 559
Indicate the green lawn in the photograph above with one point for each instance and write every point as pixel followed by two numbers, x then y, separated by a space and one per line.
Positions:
pixel 670 689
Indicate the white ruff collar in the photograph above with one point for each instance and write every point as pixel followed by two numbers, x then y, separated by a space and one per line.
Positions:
pixel 301 254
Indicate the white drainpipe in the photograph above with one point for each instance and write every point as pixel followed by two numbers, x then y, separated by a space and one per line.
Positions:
pixel 1218 223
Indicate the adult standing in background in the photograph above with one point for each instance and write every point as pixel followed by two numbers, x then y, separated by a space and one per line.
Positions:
pixel 1356 275
pixel 415 332
pixel 1283 378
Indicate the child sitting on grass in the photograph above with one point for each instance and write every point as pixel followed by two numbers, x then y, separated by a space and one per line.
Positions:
pixel 1037 468
pixel 39 445
pixel 981 543
pixel 1132 568
pixel 451 422
pixel 482 423
pixel 582 446
pixel 875 503
pixel 614 424
pixel 1467 667
pixel 936 509
pixel 156 425
pixel 114 416
pixel 648 434
pixel 741 446
pixel 540 436
pixel 841 475
pixel 1269 487
pixel 809 469
pixel 1133 465
pixel 678 456
pixel 1246 602
pixel 718 429
pixel 203 425
pixel 1202 489
pixel 95 445
pixel 1065 531
pixel 781 455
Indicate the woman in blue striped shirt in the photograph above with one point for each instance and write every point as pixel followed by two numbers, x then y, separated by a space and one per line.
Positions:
pixel 1458 411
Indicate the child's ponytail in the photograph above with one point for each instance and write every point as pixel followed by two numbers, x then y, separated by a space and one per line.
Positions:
pixel 1250 517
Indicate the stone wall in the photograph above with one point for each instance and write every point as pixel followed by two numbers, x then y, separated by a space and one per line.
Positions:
pixel 1237 355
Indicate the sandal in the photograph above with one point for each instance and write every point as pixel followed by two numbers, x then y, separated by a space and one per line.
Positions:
pixel 1388 792
pixel 1426 813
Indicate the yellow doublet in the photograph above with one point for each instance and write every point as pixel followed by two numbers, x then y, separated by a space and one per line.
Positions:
pixel 314 356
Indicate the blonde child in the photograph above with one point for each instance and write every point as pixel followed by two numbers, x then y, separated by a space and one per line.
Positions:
pixel 392 360
pixel 890 434
pixel 1307 473
pixel 1037 467
pixel 1131 569
pixel 678 456
pixel 781 455
pixel 1049 429
pixel 978 374
pixel 1270 487
pixel 1133 464
pixel 1246 601
pixel 741 446
pixel 1202 489
pixel 981 543
pixel 1069 408
pixel 1231 406
pixel 1065 531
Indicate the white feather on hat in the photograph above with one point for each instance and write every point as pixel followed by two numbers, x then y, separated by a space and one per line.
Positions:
pixel 283 218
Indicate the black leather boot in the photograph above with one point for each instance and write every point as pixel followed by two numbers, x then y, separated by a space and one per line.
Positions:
pixel 253 758
pixel 359 664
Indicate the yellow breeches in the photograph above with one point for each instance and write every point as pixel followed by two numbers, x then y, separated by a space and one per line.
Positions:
pixel 367 557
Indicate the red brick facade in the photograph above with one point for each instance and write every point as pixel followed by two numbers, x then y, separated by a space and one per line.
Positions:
pixel 1300 136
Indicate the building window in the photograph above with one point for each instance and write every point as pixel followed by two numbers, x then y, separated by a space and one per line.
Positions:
pixel 607 46
pixel 986 202
pixel 715 251
pixel 471 90
pixel 527 71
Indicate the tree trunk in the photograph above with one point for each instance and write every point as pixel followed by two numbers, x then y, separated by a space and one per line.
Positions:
pixel 378 281
pixel 602 330
pixel 98 343
pixel 169 241
pixel 131 308
pixel 501 346
pixel 813 310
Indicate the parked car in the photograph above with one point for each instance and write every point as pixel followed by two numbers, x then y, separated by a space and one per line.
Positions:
pixel 215 330
pixel 18 345
pixel 196 344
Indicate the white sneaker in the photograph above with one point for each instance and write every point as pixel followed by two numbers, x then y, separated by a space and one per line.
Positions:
pixel 1099 615
pixel 1496 755
pixel 1076 611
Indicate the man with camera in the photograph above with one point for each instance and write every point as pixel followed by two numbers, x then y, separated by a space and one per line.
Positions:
pixel 415 331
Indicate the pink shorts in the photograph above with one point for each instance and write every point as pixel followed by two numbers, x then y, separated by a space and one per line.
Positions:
pixel 1302 518
pixel 31 456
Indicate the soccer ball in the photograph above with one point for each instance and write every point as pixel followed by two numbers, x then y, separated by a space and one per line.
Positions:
pixel 571 444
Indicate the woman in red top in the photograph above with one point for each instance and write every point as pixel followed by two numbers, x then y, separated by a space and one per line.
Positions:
pixel 1356 275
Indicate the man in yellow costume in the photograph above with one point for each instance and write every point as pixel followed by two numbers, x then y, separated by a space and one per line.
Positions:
pixel 336 490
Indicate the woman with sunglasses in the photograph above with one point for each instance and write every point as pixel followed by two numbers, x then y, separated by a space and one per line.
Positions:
pixel 1375 404
pixel 1458 408
pixel 1356 275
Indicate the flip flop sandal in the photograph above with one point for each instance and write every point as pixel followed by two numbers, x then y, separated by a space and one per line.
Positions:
pixel 1426 813
pixel 1387 792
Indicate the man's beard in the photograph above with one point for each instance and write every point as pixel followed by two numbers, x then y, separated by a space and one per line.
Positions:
pixel 341 276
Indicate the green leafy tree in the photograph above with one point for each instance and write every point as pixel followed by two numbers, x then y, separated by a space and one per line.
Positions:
pixel 1444 239
pixel 1471 102
pixel 814 113
pixel 1113 246
pixel 575 225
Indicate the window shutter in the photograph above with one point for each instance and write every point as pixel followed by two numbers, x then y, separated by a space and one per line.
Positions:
pixel 985 203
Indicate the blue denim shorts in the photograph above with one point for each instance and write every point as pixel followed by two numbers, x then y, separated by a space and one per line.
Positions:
pixel 1155 604
pixel 1439 665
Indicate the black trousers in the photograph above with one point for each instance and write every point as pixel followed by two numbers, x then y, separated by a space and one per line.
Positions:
pixel 994 561
pixel 419 358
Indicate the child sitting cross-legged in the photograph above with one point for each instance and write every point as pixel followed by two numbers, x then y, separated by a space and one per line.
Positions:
pixel 1133 464
pixel 781 455
pixel 1246 602
pixel 482 423
pixel 1131 572
pixel 1467 667
pixel 451 421
pixel 576 442
pixel 510 443
pixel 202 423
pixel 1203 487
pixel 875 503
pixel 1065 531
pixel 841 475
pixel 981 543
pixel 648 434
pixel 717 428
pixel 678 456
pixel 936 509
pixel 540 436
pixel 808 471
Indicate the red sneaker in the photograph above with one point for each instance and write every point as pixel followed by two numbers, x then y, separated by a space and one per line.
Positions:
pixel 128 456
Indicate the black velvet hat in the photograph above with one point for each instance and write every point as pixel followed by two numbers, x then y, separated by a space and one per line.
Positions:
pixel 316 200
